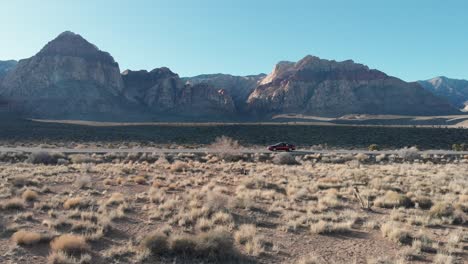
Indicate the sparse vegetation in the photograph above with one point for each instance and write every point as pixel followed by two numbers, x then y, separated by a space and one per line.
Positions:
pixel 200 208
pixel 70 244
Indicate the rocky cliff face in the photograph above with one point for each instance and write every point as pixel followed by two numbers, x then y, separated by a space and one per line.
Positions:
pixel 5 67
pixel 68 78
pixel 162 91
pixel 314 86
pixel 455 91
pixel 239 87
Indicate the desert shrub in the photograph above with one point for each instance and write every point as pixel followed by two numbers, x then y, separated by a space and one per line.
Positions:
pixel 61 257
pixel 12 204
pixel 82 158
pixel 23 237
pixel 44 158
pixel 285 159
pixel 225 143
pixel 215 244
pixel 460 147
pixel 82 181
pixel 157 242
pixel 409 154
pixel 29 195
pixel 227 148
pixel 373 147
pixel 310 259
pixel 392 199
pixel 140 180
pixel 68 243
pixel 245 233
pixel 422 202
pixel 443 258
pixel 179 166
pixel 73 203
pixel 216 201
pixel 323 227
pixel 395 233
pixel 441 209
pixel 183 245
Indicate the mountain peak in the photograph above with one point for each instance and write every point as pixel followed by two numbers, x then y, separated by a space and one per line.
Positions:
pixel 74 45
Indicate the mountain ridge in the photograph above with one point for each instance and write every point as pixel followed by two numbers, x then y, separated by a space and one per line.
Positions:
pixel 71 78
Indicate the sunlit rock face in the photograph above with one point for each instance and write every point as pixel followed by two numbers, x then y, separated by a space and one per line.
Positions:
pixel 321 87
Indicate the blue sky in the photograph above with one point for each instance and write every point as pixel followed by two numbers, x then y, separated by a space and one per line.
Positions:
pixel 409 39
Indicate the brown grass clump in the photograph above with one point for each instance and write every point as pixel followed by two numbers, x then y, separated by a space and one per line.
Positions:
pixel 60 257
pixel 310 259
pixel 116 199
pixel 323 227
pixel 441 209
pixel 68 243
pixel 179 166
pixel 422 202
pixel 395 233
pixel 23 237
pixel 140 180
pixel 245 233
pixel 216 245
pixel 73 203
pixel 29 195
pixel 157 242
pixel 392 199
pixel 12 204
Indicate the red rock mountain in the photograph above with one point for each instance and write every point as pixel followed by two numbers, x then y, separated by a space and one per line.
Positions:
pixel 315 86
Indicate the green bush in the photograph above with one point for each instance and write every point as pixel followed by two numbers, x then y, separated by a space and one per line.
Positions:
pixel 373 147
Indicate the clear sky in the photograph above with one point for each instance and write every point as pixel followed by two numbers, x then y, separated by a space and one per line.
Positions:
pixel 410 39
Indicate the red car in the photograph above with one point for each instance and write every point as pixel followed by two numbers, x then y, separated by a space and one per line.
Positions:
pixel 282 146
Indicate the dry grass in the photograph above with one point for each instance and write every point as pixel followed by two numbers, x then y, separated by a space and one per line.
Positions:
pixel 29 195
pixel 203 209
pixel 68 243
pixel 61 257
pixel 179 166
pixel 392 199
pixel 23 237
pixel 12 204
pixel 73 203
pixel 323 227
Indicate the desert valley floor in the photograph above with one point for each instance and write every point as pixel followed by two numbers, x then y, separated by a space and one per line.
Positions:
pixel 233 208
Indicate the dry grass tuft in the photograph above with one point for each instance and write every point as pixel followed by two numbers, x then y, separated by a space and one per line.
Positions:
pixel 179 166
pixel 12 204
pixel 393 199
pixel 29 195
pixel 82 181
pixel 395 233
pixel 323 227
pixel 73 203
pixel 68 243
pixel 140 180
pixel 23 237
pixel 441 209
pixel 61 257
pixel 157 242
pixel 245 233
pixel 285 159
pixel 310 259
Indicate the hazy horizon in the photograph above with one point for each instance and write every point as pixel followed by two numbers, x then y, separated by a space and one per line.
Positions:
pixel 412 41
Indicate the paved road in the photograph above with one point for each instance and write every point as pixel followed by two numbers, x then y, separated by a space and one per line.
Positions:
pixel 206 150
